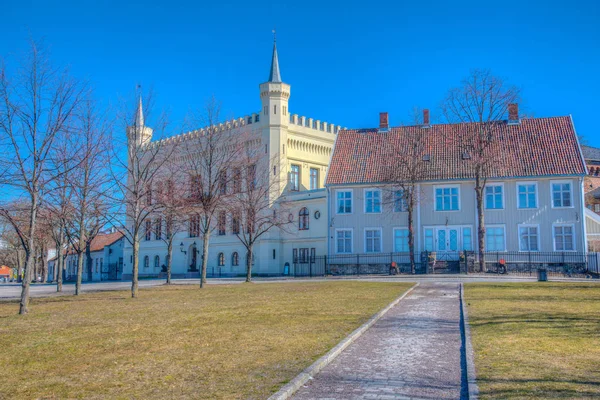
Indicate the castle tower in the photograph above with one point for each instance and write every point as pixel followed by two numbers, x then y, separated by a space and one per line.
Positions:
pixel 138 134
pixel 274 95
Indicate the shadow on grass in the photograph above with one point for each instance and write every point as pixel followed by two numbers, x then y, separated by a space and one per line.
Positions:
pixel 545 388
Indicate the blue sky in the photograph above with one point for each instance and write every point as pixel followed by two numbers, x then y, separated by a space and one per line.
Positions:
pixel 346 61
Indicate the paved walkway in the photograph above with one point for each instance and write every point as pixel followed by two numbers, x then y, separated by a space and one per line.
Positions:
pixel 412 352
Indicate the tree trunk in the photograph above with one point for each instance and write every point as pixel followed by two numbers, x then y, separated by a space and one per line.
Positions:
pixel 135 267
pixel 169 260
pixel 481 223
pixel 60 268
pixel 19 266
pixel 79 270
pixel 89 262
pixel 411 235
pixel 249 263
pixel 29 259
pixel 44 262
pixel 205 240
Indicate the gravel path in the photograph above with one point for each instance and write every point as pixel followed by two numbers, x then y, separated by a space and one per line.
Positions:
pixel 412 352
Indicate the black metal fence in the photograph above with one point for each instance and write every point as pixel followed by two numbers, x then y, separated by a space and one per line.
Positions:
pixel 568 264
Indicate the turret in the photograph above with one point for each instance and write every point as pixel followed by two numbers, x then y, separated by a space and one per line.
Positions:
pixel 275 95
pixel 138 133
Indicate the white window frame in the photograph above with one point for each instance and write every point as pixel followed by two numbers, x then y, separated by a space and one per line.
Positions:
pixel 537 195
pixel 572 226
pixel 351 202
pixel 337 250
pixel 310 178
pixel 380 240
pixel 504 230
pixel 402 200
pixel 597 207
pixel 491 184
pixel 399 228
pixel 539 234
pixel 561 182
pixel 365 201
pixel 436 187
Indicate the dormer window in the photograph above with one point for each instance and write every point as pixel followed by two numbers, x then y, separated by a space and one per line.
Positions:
pixel 426 157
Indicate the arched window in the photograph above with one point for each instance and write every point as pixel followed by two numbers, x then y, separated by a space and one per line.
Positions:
pixel 156 261
pixel 235 259
pixel 221 260
pixel 146 262
pixel 303 219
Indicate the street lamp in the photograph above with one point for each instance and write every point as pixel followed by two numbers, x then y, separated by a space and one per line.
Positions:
pixel 181 248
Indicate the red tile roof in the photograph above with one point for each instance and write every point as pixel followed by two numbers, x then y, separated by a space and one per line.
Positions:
pixel 535 147
pixel 5 271
pixel 100 241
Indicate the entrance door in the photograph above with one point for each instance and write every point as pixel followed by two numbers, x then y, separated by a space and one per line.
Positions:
pixel 447 242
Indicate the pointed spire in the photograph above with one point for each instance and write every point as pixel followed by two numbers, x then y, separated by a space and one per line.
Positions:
pixel 139 114
pixel 275 75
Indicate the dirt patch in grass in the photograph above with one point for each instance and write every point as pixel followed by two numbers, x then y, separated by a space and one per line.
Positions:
pixel 536 340
pixel 225 341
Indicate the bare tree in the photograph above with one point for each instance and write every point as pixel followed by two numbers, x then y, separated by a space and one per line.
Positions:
pixel 35 109
pixel 171 200
pixel 253 206
pixel 482 102
pixel 88 181
pixel 209 159
pixel 134 172
pixel 406 169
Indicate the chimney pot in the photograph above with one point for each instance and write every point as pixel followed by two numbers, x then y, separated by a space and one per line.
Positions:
pixel 426 117
pixel 383 120
pixel 513 113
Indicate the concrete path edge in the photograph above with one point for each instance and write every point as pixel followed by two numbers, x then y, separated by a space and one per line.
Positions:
pixel 473 389
pixel 286 391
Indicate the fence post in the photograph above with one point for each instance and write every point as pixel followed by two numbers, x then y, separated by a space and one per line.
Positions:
pixel 357 264
pixel 426 262
pixel 310 267
pixel 325 267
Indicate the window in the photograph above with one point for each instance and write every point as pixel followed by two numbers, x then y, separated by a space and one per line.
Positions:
pixel 249 120
pixel 495 238
pixel 400 204
pixel 401 240
pixel 295 177
pixel 235 259
pixel 221 260
pixel 146 262
pixel 159 192
pixel 265 110
pixel 223 182
pixel 372 240
pixel 597 207
pixel 274 109
pixel 256 118
pixel 158 228
pixel 467 239
pixel 493 197
pixel 563 238
pixel 156 262
pixel 101 264
pixel 222 220
pixel 96 265
pixel 237 180
pixel 235 223
pixel 195 187
pixel 527 195
pixel 303 256
pixel 274 254
pixel 428 232
pixel 313 255
pixel 528 238
pixel 344 201
pixel 148 231
pixel 314 178
pixel 446 199
pixel 343 241
pixel 561 194
pixel 294 256
pixel 194 228
pixel 372 201
pixel 303 219
pixel 251 177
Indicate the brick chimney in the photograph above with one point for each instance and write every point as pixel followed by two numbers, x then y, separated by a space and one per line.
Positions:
pixel 383 121
pixel 426 117
pixel 513 113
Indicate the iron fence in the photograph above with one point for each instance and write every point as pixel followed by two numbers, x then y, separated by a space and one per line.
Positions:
pixel 568 264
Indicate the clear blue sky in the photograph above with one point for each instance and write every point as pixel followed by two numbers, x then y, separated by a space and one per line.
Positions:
pixel 346 60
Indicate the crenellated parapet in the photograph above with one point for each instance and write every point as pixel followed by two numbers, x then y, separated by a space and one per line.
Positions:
pixel 314 124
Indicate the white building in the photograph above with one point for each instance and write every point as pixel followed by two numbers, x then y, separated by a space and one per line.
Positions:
pixel 303 146
pixel 533 199
pixel 106 252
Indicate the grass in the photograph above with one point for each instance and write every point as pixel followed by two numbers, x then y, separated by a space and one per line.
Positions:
pixel 536 340
pixel 226 341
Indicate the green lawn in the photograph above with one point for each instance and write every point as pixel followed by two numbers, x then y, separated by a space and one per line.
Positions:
pixel 225 341
pixel 536 340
